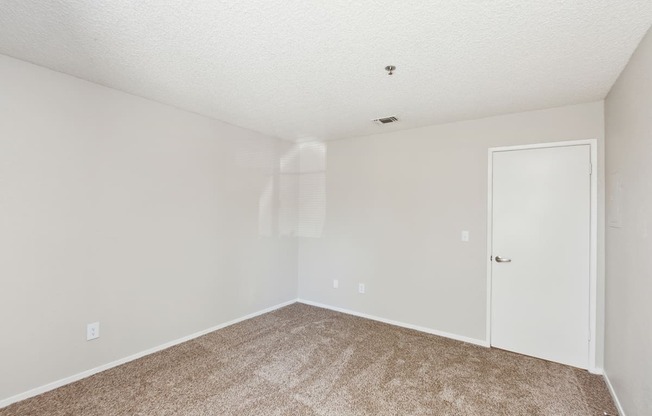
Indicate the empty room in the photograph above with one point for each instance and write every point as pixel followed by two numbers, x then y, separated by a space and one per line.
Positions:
pixel 326 208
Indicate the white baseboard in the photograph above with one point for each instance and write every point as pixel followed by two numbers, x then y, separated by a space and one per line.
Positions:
pixel 619 407
pixel 456 337
pixel 599 371
pixel 67 380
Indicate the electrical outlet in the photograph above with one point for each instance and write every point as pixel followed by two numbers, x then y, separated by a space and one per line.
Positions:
pixel 336 283
pixel 92 331
pixel 361 288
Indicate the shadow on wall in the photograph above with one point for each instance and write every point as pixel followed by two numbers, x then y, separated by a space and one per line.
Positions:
pixel 293 201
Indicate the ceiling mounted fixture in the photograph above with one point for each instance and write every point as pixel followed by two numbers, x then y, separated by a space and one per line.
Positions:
pixel 390 69
pixel 385 120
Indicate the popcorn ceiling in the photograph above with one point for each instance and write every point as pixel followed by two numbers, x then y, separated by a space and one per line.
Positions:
pixel 311 69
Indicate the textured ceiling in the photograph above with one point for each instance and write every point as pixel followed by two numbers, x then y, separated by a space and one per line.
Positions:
pixel 313 69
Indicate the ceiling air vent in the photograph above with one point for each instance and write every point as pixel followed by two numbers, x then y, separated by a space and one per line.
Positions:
pixel 386 120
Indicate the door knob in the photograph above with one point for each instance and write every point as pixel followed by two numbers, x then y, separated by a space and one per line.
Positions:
pixel 502 260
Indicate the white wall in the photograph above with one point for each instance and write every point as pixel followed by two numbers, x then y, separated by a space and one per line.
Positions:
pixel 396 204
pixel 156 222
pixel 628 339
pixel 159 223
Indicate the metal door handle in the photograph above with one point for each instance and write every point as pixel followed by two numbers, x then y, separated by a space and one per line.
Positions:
pixel 502 260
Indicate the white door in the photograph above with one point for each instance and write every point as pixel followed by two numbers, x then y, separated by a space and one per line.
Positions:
pixel 541 205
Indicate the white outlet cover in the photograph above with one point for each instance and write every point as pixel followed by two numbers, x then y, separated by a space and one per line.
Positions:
pixel 92 331
pixel 361 288
pixel 465 236
pixel 336 284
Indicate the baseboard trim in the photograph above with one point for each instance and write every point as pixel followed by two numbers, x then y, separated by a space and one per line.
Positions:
pixel 599 371
pixel 619 407
pixel 70 379
pixel 456 337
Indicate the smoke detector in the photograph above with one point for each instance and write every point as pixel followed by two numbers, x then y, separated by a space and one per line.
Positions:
pixel 385 120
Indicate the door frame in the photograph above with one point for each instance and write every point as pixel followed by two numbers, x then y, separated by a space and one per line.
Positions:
pixel 593 249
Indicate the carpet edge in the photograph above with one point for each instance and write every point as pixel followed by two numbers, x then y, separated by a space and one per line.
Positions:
pixel 462 338
pixel 87 373
pixel 612 391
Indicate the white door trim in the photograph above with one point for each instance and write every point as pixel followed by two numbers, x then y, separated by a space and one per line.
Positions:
pixel 593 267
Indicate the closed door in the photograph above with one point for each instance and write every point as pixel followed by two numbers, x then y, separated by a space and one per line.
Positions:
pixel 541 207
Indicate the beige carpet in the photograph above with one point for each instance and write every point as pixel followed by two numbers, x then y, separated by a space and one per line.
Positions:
pixel 302 360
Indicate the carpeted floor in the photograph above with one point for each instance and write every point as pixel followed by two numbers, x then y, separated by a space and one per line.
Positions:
pixel 302 360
